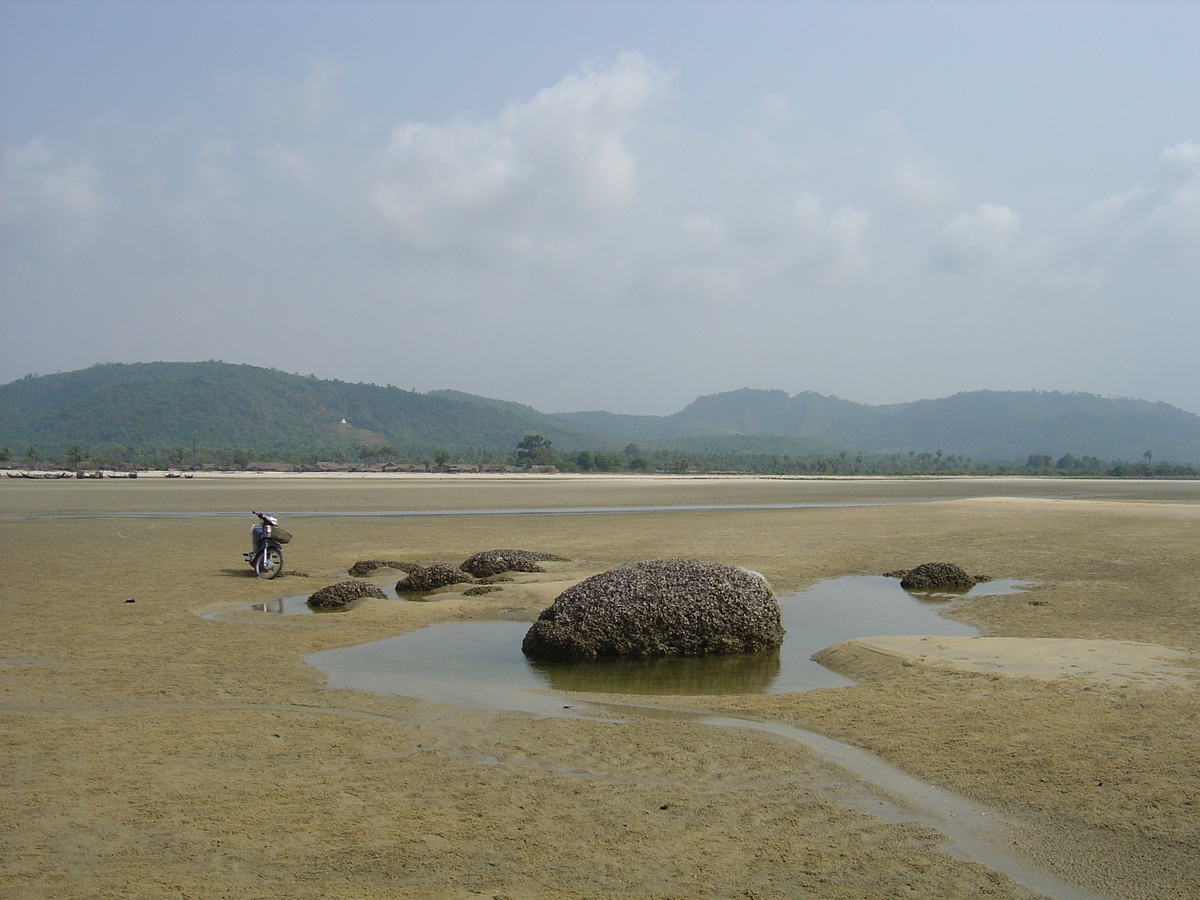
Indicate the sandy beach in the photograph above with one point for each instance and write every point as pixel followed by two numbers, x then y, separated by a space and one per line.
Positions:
pixel 163 740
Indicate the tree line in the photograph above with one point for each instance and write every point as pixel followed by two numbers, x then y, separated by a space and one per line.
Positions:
pixel 536 450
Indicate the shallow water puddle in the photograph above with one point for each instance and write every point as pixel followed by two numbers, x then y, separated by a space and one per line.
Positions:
pixel 481 664
pixel 297 604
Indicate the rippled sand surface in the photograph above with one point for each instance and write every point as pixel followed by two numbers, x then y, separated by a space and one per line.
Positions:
pixel 151 751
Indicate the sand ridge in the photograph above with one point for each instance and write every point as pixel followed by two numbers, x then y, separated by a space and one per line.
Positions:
pixel 1118 663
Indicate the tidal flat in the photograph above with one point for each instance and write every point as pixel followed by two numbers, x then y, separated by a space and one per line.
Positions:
pixel 154 749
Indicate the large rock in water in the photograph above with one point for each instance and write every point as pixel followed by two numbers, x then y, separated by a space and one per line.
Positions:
pixel 935 576
pixel 344 593
pixel 661 607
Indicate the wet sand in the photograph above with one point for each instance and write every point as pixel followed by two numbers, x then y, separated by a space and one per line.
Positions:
pixel 152 752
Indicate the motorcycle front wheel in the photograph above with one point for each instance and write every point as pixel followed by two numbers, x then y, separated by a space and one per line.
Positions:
pixel 269 564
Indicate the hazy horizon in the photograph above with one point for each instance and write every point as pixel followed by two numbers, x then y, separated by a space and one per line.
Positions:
pixel 790 394
pixel 607 205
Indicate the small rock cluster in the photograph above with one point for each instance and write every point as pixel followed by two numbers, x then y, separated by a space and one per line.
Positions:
pixel 344 593
pixel 656 608
pixel 488 564
pixel 938 576
pixel 367 566
pixel 495 562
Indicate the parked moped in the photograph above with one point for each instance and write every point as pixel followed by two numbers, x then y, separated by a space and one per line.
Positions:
pixel 266 557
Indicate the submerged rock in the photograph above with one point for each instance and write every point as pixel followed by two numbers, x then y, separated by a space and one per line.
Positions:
pixel 431 578
pixel 660 607
pixel 344 593
pixel 495 562
pixel 936 576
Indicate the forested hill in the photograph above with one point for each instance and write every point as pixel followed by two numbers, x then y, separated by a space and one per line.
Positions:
pixel 216 404
pixel 994 425
pixel 210 405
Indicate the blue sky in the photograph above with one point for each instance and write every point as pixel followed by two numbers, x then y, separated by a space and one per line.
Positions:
pixel 609 205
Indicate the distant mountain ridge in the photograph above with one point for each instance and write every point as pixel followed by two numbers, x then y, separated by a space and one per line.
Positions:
pixel 216 404
pixel 981 424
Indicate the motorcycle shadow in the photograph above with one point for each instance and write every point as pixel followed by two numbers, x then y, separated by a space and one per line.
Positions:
pixel 250 573
pixel 244 572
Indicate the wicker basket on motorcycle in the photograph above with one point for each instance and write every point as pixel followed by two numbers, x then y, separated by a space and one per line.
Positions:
pixel 280 535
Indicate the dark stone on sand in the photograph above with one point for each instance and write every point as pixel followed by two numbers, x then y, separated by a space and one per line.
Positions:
pixel 937 576
pixel 656 608
pixel 495 562
pixel 481 590
pixel 430 578
pixel 344 593
pixel 366 566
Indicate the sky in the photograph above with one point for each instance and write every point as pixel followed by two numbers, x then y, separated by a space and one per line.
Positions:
pixel 608 205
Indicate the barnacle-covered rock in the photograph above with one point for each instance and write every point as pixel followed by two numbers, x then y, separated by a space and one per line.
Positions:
pixel 494 562
pixel 660 607
pixel 482 589
pixel 935 576
pixel 366 566
pixel 431 578
pixel 344 593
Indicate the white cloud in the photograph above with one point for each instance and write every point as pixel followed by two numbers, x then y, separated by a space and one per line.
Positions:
pixel 292 164
pixel 215 179
pixel 318 93
pixel 1183 161
pixel 978 238
pixel 538 165
pixel 53 196
pixel 1163 220
pixel 291 107
pixel 774 111
pixel 1173 222
pixel 830 242
pixel 904 169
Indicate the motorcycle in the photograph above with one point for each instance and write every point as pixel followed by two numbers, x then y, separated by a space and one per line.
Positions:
pixel 266 557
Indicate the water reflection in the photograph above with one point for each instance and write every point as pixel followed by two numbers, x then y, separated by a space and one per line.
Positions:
pixel 734 673
pixel 296 606
pixel 481 663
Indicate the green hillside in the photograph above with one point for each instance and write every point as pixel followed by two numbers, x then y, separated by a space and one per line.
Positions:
pixel 215 404
pixel 152 411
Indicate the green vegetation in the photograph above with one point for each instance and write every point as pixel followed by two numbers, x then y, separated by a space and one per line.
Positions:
pixel 534 450
pixel 214 414
pixel 212 411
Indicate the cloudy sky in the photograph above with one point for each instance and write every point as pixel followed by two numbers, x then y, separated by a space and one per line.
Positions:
pixel 609 205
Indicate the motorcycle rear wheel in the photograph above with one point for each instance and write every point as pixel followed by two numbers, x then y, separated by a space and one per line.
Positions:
pixel 269 564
